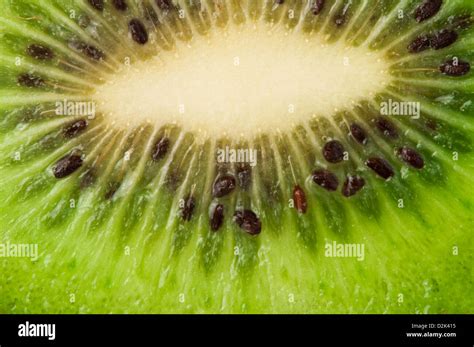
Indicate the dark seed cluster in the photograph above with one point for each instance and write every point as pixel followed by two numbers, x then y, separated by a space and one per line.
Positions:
pixel 160 149
pixel 411 157
pixel 31 81
pixel 188 208
pixel 248 221
pixel 75 128
pixel 223 185
pixel 325 179
pixel 120 5
pixel 381 167
pixel 67 165
pixel 455 67
pixel 97 4
pixel 40 52
pixel 386 127
pixel 352 185
pixel 138 31
pixel 428 9
pixel 217 217
pixel 317 6
pixel 439 40
pixel 333 151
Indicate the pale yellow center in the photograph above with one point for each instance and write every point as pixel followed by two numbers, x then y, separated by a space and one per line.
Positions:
pixel 243 80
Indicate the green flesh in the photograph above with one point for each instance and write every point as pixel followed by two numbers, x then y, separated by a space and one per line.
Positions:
pixel 133 253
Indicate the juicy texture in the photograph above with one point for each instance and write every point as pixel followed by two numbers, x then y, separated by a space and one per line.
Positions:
pixel 141 216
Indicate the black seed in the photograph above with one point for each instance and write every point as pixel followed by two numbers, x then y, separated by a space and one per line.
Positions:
pixel 279 2
pixel 455 67
pixel 352 185
pixel 120 5
pixel 410 156
pixel 112 189
pixel 75 128
pixel 244 175
pixel 340 20
pixel 93 52
pixel 67 165
pixel 358 133
pixel 443 39
pixel 188 208
pixel 28 80
pixel 138 31
pixel 333 151
pixel 40 52
pixel 248 221
pixel 97 4
pixel 217 217
pixel 164 5
pixel 317 6
pixel 386 127
pixel 160 148
pixel 325 179
pixel 427 10
pixel 223 186
pixel 299 197
pixel 420 44
pixel 380 166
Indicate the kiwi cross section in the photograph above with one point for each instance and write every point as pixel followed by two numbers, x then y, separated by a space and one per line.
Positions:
pixel 114 114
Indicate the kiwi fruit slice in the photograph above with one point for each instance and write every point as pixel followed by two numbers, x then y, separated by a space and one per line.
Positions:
pixel 237 156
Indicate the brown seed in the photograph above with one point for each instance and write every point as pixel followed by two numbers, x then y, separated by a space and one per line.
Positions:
pixel 30 81
pixel 299 197
pixel 352 185
pixel 279 2
pixel 67 165
pixel 164 5
pixel 244 175
pixel 74 128
pixel 386 127
pixel 160 149
pixel 443 38
pixel 455 67
pixel 93 52
pixel 317 7
pixel 325 179
pixel 40 52
pixel 223 185
pixel 427 9
pixel 420 44
pixel 358 133
pixel 138 31
pixel 380 166
pixel 248 221
pixel 217 217
pixel 333 151
pixel 97 4
pixel 120 5
pixel 188 208
pixel 411 157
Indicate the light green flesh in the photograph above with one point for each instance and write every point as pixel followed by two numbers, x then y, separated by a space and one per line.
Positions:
pixel 134 254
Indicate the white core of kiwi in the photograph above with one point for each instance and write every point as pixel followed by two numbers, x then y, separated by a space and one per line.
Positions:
pixel 242 81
